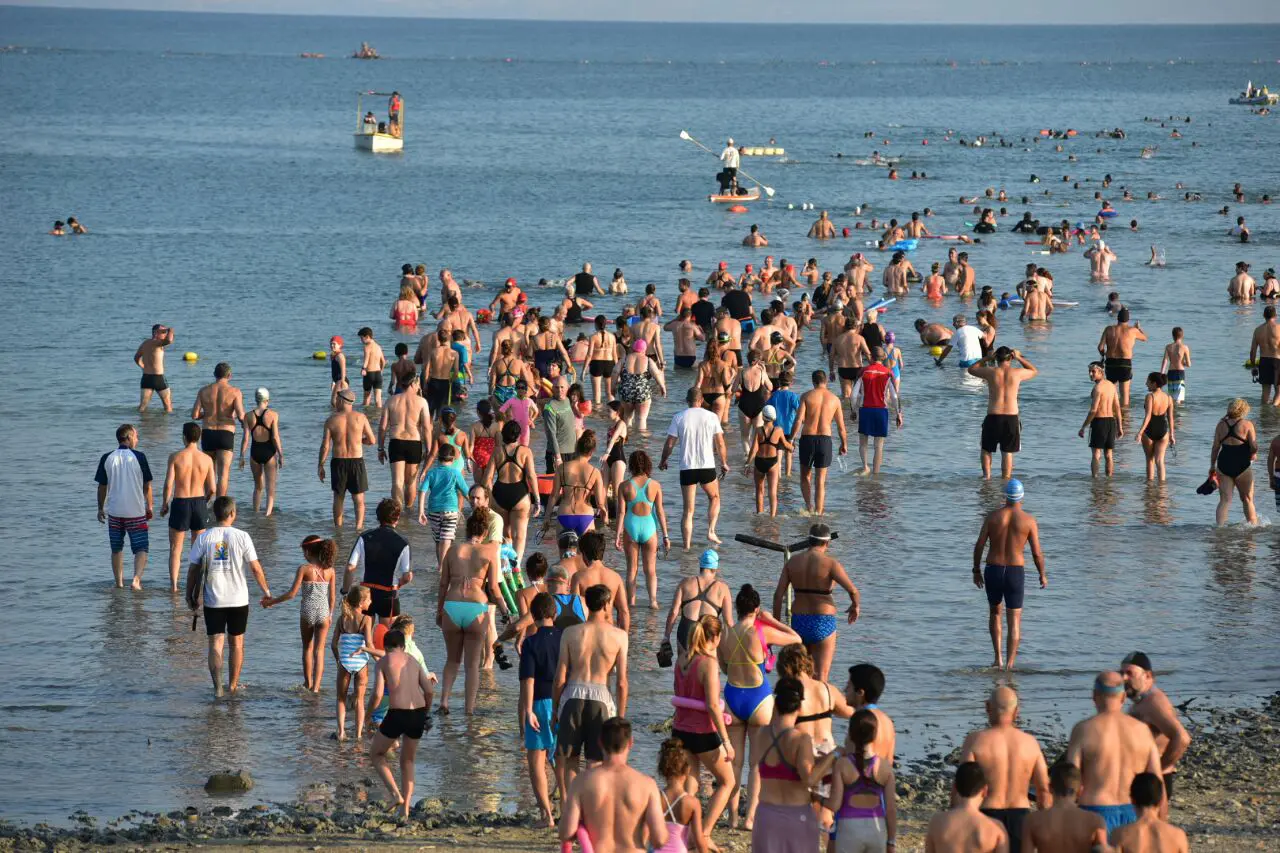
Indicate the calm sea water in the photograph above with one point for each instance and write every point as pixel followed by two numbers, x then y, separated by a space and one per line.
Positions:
pixel 216 173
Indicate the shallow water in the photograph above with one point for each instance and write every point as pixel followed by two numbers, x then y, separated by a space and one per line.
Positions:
pixel 215 173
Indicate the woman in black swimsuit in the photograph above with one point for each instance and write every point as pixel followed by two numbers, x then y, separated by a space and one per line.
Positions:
pixel 261 437
pixel 754 388
pixel 614 464
pixel 1235 444
pixel 602 353
pixel 770 445
pixel 573 306
pixel 513 481
pixel 1156 433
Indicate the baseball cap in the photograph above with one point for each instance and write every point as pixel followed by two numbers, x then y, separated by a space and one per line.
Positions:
pixel 1013 490
pixel 769 413
pixel 710 559
pixel 1138 659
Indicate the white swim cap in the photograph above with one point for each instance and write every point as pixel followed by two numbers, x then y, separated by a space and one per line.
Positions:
pixel 769 413
pixel 262 395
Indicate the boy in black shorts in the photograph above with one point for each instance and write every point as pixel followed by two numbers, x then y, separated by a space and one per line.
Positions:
pixel 409 687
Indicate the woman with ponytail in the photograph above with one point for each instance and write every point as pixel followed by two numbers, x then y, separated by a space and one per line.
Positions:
pixel 863 794
pixel 703 732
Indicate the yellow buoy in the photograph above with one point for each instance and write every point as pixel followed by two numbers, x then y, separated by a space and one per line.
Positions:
pixel 935 351
pixel 190 356
pixel 319 355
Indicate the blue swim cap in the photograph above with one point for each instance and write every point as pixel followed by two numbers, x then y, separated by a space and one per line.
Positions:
pixel 710 559
pixel 1013 491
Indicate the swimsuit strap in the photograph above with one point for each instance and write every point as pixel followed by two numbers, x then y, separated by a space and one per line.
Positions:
pixel 737 636
pixel 642 493
pixel 510 460
pixel 774 746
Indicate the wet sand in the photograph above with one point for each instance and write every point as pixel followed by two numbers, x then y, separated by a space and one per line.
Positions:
pixel 1227 799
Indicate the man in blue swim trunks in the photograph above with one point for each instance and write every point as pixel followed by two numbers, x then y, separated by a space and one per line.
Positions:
pixel 539 656
pixel 1008 530
pixel 813 574
pixel 1111 748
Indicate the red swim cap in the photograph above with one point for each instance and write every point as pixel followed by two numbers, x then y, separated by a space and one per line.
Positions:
pixel 511 281
pixel 336 339
pixel 845 232
pixel 750 268
pixel 724 265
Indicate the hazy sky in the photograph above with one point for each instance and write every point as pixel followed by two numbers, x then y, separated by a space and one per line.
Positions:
pixel 1092 12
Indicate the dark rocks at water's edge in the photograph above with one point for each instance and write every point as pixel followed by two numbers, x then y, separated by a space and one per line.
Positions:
pixel 1224 783
pixel 228 782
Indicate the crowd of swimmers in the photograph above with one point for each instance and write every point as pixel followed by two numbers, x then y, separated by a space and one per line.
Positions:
pixel 478 488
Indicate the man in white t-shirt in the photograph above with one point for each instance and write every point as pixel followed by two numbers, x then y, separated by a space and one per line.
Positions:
pixel 701 439
pixel 967 342
pixel 124 502
pixel 217 561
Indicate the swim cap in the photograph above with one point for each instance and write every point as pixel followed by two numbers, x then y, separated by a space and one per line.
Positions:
pixel 710 559
pixel 749 268
pixel 890 337
pixel 511 281
pixel 449 410
pixel 769 413
pixel 1138 659
pixel 336 339
pixel 262 395
pixel 838 305
pixel 1013 490
pixel 639 346
pixel 724 265
pixel 568 541
pixel 776 338
pixel 723 337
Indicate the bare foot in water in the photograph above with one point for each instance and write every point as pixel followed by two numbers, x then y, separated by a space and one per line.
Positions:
pixel 712 537
pixel 137 583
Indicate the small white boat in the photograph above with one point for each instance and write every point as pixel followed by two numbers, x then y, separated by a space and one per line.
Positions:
pixel 380 137
pixel 1255 96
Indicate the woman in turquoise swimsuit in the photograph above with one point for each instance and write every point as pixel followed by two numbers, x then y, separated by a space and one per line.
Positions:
pixel 640 514
pixel 468 582
pixel 745 659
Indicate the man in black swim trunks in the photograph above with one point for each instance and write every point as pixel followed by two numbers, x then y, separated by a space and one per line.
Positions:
pixel 1264 350
pixel 381 555
pixel 219 406
pixel 1002 427
pixel 1116 348
pixel 188 488
pixel 818 408
pixel 1105 420
pixel 409 688
pixel 346 431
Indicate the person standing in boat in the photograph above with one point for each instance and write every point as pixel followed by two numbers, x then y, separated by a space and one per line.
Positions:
pixel 394 106
pixel 729 156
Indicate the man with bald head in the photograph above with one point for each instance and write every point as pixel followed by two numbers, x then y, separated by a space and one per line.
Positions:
pixel 1010 760
pixel 1111 748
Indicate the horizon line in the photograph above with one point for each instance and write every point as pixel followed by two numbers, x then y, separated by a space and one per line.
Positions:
pixel 551 20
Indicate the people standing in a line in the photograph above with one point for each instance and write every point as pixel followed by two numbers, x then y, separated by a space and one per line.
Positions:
pixel 1116 348
pixel 701 439
pixel 1152 706
pixel 404 434
pixel 1157 430
pixel 963 828
pixel 409 686
pixel 150 359
pixel 220 406
pixel 261 438
pixel 1235 446
pixel 1111 748
pixel 346 431
pixel 1264 351
pixel 124 502
pixel 813 574
pixel 188 489
pixel 1105 420
pixel 1002 427
pixel 383 559
pixel 216 577
pixel 1005 533
pixel 873 395
pixel 317 582
pixel 818 408
pixel 1012 761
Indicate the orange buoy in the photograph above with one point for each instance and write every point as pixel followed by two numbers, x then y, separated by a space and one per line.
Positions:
pixel 738 208
pixel 1044 132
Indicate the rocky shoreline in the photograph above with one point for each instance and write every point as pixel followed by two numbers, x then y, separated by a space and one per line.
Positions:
pixel 1228 798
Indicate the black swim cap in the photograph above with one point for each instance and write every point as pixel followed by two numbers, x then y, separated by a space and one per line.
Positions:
pixel 1138 659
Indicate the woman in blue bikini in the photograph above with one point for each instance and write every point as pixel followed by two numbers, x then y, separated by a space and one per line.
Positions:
pixel 468 582
pixel 577 492
pixel 813 574
pixel 641 516
pixel 745 658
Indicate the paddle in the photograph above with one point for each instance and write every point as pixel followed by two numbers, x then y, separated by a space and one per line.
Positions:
pixel 684 134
